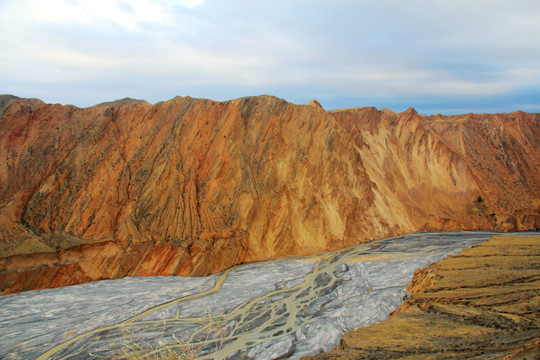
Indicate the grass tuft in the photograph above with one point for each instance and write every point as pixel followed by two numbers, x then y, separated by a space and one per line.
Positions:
pixel 208 338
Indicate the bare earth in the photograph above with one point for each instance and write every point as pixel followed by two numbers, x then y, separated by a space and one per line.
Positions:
pixel 481 304
pixel 193 186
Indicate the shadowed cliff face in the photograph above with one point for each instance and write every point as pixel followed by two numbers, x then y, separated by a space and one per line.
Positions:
pixel 206 185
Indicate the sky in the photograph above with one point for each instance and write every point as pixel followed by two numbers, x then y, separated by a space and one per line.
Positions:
pixel 444 56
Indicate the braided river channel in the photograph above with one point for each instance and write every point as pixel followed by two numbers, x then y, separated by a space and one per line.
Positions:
pixel 282 308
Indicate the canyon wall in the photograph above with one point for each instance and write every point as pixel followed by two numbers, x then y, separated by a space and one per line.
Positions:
pixel 193 186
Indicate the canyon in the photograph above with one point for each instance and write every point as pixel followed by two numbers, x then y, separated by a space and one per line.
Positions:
pixel 194 186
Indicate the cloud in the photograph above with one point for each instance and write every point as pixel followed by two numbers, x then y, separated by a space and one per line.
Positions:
pixel 383 51
pixel 191 3
pixel 127 14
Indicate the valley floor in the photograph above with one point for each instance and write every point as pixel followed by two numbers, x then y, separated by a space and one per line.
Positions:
pixel 481 304
pixel 282 308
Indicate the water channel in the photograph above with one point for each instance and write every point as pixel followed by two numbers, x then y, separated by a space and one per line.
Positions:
pixel 283 308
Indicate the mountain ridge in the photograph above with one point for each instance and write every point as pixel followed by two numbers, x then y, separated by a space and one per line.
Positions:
pixel 247 179
pixel 127 99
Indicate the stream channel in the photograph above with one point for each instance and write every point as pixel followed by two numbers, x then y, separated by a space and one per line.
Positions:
pixel 282 308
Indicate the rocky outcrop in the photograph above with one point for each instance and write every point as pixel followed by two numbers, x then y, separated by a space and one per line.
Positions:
pixel 450 172
pixel 255 177
pixel 480 304
pixel 112 260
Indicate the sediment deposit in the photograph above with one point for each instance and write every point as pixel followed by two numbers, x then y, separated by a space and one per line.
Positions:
pixel 193 186
pixel 480 304
pixel 274 309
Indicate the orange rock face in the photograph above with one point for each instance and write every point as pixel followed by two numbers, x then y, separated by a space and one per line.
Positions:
pixel 192 186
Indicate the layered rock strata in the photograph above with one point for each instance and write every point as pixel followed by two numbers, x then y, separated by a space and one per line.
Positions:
pixel 213 184
pixel 481 304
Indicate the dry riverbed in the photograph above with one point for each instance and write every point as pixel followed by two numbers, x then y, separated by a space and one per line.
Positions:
pixel 481 304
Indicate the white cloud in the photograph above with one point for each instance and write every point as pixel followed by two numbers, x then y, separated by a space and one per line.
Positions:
pixel 128 14
pixel 54 11
pixel 377 49
pixel 191 3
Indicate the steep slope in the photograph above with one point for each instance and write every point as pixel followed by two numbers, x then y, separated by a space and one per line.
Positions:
pixel 503 152
pixel 450 172
pixel 207 185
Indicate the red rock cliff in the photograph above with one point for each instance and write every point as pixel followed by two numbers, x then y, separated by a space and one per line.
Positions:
pixel 192 186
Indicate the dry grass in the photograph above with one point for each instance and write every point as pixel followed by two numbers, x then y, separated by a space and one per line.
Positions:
pixel 209 336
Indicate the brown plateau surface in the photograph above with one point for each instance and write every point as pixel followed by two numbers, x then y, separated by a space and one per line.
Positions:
pixel 481 304
pixel 192 186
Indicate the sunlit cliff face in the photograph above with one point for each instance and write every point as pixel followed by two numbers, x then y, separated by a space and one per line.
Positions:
pixel 192 186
